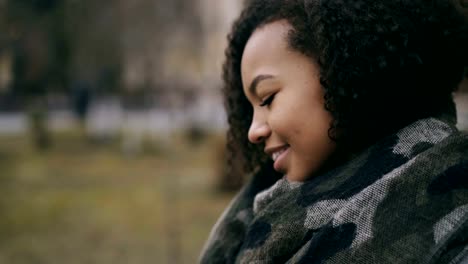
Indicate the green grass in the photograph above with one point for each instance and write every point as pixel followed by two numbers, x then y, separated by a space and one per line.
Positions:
pixel 86 202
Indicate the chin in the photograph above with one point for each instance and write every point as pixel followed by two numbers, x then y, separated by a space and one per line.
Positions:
pixel 295 177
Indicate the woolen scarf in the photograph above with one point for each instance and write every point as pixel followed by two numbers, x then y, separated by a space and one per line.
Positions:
pixel 403 200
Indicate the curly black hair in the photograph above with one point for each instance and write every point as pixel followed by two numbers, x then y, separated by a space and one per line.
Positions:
pixel 383 64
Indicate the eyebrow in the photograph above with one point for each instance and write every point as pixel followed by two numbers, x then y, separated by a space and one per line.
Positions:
pixel 256 81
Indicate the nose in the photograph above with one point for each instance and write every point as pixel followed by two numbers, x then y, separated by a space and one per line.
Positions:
pixel 258 131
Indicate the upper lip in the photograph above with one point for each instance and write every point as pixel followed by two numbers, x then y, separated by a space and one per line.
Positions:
pixel 270 150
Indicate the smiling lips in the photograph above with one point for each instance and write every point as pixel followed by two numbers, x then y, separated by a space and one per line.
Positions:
pixel 277 154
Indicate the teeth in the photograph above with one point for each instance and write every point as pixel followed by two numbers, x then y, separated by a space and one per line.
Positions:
pixel 277 154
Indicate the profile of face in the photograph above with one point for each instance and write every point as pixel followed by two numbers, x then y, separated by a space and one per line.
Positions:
pixel 289 117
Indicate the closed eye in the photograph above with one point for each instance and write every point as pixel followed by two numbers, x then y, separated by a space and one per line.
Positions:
pixel 268 101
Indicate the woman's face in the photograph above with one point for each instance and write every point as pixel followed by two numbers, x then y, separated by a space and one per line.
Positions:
pixel 289 116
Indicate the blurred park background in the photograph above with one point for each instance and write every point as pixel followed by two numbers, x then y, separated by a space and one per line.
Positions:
pixel 112 129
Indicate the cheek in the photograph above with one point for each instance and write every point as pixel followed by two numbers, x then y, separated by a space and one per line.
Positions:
pixel 296 132
pixel 311 133
pixel 287 124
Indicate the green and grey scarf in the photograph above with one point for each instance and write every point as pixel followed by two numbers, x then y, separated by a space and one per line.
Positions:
pixel 403 200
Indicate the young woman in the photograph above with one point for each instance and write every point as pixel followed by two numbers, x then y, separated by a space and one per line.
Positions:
pixel 343 114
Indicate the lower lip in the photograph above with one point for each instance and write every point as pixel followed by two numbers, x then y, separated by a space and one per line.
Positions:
pixel 279 164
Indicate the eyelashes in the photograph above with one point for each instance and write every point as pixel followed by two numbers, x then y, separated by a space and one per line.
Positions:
pixel 268 101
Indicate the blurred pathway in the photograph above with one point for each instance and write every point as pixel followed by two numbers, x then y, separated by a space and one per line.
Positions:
pixel 107 118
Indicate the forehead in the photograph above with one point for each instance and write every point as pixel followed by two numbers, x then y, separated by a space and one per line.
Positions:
pixel 265 48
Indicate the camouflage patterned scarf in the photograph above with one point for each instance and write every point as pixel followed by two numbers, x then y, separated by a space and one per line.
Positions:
pixel 403 200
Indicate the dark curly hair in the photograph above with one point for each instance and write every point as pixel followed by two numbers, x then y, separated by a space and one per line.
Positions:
pixel 383 64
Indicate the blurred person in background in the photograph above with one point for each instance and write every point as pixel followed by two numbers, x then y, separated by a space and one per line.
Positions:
pixel 343 114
